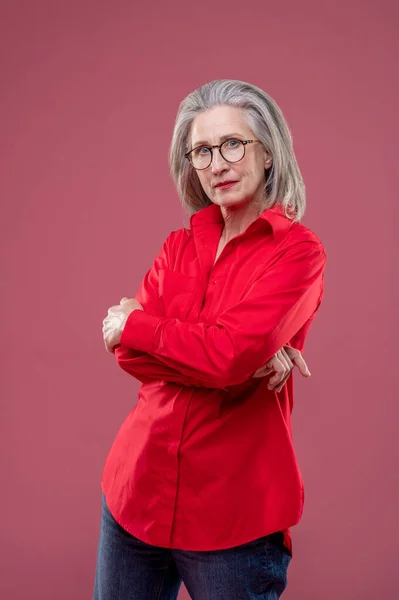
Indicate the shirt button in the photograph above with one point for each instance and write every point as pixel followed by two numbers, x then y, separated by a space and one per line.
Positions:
pixel 215 281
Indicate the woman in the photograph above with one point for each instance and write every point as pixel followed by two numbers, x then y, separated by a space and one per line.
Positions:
pixel 201 484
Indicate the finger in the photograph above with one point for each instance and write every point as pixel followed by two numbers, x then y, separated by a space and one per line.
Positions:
pixel 288 361
pixel 110 346
pixel 302 366
pixel 262 371
pixel 287 364
pixel 123 299
pixel 282 384
pixel 279 374
pixel 107 327
pixel 267 368
pixel 258 373
pixel 298 360
pixel 284 381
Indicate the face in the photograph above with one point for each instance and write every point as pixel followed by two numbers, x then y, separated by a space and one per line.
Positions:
pixel 247 176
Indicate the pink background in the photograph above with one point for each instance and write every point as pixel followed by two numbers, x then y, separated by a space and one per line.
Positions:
pixel 89 94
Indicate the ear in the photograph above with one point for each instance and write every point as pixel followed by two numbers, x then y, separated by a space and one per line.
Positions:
pixel 268 160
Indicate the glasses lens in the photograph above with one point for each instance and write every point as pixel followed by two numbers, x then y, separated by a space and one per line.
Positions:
pixel 201 157
pixel 232 150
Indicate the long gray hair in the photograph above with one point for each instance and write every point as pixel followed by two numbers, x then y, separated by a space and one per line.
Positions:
pixel 283 180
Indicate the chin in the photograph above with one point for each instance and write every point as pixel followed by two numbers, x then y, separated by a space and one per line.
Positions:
pixel 227 197
pixel 227 202
pixel 230 201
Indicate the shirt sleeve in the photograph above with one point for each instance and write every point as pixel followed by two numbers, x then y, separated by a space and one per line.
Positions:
pixel 140 364
pixel 244 336
pixel 147 368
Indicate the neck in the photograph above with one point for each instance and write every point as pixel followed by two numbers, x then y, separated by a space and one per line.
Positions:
pixel 238 218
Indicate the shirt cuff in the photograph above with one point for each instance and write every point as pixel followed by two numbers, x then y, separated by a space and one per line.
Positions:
pixel 139 331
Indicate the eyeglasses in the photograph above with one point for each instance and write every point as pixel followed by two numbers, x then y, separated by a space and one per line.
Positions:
pixel 232 150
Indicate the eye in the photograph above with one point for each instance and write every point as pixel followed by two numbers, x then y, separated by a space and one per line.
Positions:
pixel 232 143
pixel 202 150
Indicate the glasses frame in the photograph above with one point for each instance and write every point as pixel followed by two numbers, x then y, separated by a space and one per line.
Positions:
pixel 219 147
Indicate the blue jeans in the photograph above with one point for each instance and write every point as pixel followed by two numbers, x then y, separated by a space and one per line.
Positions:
pixel 129 569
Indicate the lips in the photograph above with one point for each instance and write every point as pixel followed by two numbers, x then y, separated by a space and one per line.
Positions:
pixel 225 184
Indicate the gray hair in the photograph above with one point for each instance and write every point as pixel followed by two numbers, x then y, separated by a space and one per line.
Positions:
pixel 283 180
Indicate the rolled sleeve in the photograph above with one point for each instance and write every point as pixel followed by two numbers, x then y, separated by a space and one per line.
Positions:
pixel 139 331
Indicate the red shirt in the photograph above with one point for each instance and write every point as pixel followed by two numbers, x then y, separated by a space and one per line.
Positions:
pixel 205 459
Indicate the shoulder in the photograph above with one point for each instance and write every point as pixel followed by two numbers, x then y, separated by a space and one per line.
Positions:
pixel 174 242
pixel 288 233
pixel 301 246
pixel 299 234
pixel 177 236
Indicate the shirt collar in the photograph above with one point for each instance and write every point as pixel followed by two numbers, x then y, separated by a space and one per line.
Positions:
pixel 275 217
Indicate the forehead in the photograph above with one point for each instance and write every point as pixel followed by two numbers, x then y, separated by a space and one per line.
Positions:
pixel 210 125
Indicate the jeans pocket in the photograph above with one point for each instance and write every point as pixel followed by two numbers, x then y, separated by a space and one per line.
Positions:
pixel 269 565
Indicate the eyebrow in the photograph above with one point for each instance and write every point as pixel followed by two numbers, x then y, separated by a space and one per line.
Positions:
pixel 222 139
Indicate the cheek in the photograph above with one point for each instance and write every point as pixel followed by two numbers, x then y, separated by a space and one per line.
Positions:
pixel 256 175
pixel 204 181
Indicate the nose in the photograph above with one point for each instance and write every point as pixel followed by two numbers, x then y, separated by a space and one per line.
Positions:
pixel 218 164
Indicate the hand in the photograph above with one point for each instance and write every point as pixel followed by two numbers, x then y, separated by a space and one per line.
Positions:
pixel 282 363
pixel 115 320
